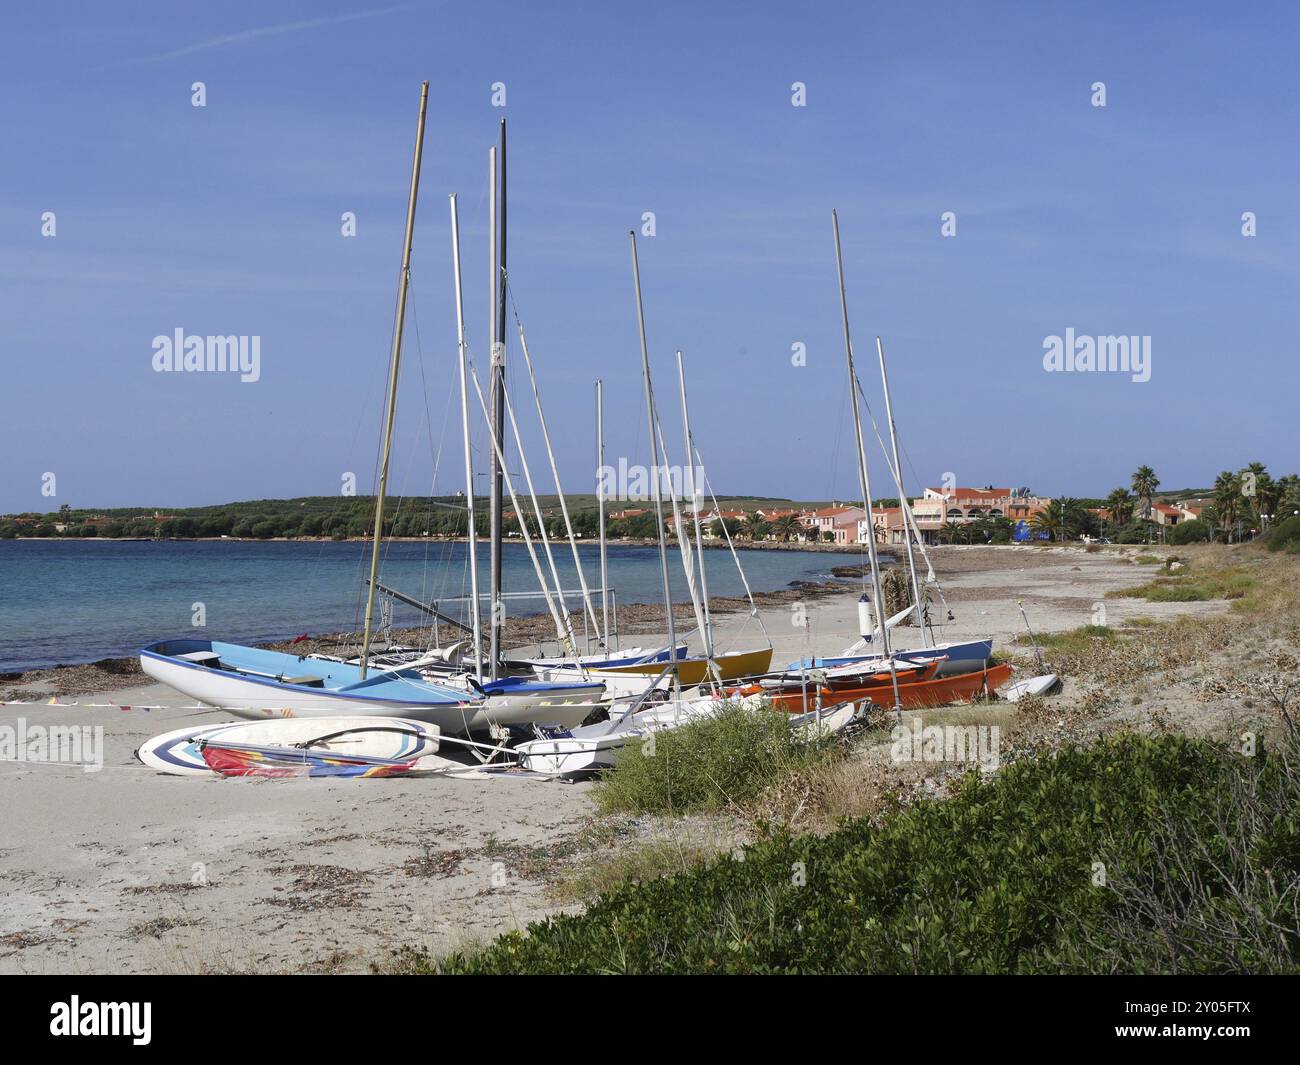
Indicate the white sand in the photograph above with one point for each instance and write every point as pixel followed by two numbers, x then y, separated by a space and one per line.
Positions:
pixel 104 872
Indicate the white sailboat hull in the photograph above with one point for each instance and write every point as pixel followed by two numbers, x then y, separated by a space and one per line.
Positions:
pixel 255 700
pixel 594 747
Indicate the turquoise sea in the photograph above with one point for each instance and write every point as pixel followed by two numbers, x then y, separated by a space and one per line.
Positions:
pixel 73 601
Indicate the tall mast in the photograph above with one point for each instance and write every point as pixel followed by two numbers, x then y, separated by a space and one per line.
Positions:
pixel 654 452
pixel 864 478
pixel 600 506
pixel 472 533
pixel 402 284
pixel 902 505
pixel 496 417
pixel 707 634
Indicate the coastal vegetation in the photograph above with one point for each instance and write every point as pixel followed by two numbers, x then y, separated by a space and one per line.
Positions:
pixel 1241 506
pixel 720 761
pixel 1137 854
pixel 1144 822
pixel 331 517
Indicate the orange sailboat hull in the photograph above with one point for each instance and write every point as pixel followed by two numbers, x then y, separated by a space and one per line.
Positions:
pixel 913 695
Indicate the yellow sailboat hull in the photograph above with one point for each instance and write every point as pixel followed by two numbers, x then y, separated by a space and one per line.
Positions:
pixel 732 664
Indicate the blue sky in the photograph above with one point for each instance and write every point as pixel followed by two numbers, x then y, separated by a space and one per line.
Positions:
pixel 225 220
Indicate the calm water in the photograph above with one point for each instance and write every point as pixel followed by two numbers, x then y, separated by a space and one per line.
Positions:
pixel 64 602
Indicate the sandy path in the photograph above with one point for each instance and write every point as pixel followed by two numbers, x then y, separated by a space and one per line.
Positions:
pixel 125 870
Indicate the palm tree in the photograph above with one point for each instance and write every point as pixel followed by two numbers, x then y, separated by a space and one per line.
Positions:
pixel 950 532
pixel 1061 519
pixel 1227 500
pixel 1119 504
pixel 786 526
pixel 1288 488
pixel 1145 483
pixel 753 526
pixel 1049 520
pixel 1266 494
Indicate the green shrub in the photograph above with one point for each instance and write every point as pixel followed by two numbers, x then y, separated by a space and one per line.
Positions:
pixel 727 758
pixel 1137 531
pixel 1285 536
pixel 1199 853
pixel 1189 532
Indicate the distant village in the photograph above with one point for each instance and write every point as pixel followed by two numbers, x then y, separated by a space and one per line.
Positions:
pixel 1240 506
pixel 940 516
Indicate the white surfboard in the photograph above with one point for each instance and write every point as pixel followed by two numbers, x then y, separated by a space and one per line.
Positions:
pixel 178 751
pixel 1043 685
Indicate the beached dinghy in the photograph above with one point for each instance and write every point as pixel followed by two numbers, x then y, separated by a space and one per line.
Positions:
pixel 179 752
pixel 257 683
pixel 590 748
pixel 629 656
pixel 912 695
pixel 957 658
pixel 732 665
pixel 230 759
pixel 1044 685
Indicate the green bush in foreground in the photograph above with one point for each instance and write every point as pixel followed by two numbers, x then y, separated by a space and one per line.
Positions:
pixel 1137 855
pixel 727 758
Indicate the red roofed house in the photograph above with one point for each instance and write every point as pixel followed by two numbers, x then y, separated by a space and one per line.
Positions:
pixel 842 522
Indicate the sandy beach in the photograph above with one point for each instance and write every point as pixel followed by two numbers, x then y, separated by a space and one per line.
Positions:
pixel 127 870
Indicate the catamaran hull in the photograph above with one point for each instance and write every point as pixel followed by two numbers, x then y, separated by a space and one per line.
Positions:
pixel 961 658
pixel 914 696
pixel 631 656
pixel 690 671
pixel 256 700
pixel 594 747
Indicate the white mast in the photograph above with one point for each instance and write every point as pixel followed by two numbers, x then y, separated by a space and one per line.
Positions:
pixel 707 633
pixel 654 453
pixel 395 363
pixel 469 463
pixel 600 506
pixel 902 503
pixel 864 478
pixel 496 426
pixel 683 540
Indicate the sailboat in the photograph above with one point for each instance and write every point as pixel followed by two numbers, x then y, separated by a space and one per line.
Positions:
pixel 624 677
pixel 956 671
pixel 571 752
pixel 253 682
pixel 957 657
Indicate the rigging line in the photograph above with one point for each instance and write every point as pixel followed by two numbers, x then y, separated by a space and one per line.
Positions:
pixel 379 446
pixel 683 538
pixel 835 451
pixel 541 520
pixel 519 511
pixel 753 607
pixel 555 472
pixel 905 506
pixel 435 453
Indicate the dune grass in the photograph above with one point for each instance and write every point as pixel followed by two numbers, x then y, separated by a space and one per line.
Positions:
pixel 724 760
pixel 1137 855
pixel 1075 640
pixel 1195 586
